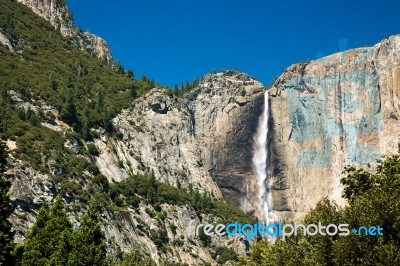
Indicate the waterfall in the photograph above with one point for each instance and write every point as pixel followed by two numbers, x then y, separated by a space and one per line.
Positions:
pixel 260 162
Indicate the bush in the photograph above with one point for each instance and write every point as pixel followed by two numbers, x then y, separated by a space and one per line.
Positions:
pixel 92 149
pixel 223 254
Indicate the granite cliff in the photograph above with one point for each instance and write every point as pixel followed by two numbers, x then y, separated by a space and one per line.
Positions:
pixel 202 141
pixel 62 138
pixel 339 110
pixel 324 114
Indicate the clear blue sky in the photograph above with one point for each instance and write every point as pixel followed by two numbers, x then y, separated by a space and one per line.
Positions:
pixel 174 41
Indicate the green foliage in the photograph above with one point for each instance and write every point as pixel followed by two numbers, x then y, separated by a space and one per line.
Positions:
pixel 88 246
pixel 91 148
pixel 137 257
pixel 356 182
pixel 144 187
pixel 47 236
pixel 205 239
pixel 159 237
pixel 68 111
pixel 223 254
pixel 130 74
pixel 186 87
pixel 52 241
pixel 373 199
pixel 86 91
pixel 6 209
pixel 43 149
pixel 169 263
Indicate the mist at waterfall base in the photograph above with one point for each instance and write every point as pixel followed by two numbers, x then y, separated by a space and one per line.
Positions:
pixel 260 163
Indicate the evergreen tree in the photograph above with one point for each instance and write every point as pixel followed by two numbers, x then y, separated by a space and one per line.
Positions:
pixel 47 236
pixel 99 102
pixel 130 74
pixel 144 77
pixel 176 90
pixel 88 246
pixel 107 124
pixel 6 236
pixel 137 257
pixel 60 256
pixel 68 111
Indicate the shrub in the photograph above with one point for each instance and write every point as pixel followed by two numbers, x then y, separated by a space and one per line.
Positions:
pixel 92 149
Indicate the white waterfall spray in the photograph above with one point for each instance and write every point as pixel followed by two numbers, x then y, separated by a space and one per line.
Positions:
pixel 260 161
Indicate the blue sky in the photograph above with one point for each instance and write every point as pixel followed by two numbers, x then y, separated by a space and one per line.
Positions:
pixel 174 41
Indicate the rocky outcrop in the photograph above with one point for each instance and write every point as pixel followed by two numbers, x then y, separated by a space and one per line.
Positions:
pixel 30 189
pixel 57 13
pixel 225 111
pixel 157 134
pixel 6 42
pixel 204 139
pixel 207 136
pixel 54 11
pixel 338 110
pixel 341 109
pixel 136 226
pixel 93 43
pixel 125 229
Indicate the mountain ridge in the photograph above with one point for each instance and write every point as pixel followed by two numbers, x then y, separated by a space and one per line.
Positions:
pixel 57 13
pixel 77 127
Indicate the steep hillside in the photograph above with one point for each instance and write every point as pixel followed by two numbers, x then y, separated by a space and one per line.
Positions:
pixel 97 136
pixel 150 162
pixel 57 13
pixel 205 136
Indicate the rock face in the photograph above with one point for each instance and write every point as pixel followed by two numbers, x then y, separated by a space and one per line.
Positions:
pixel 93 43
pixel 57 13
pixel 338 110
pixel 6 42
pixel 341 109
pixel 203 140
pixel 208 135
pixel 225 110
pixel 157 134
pixel 135 226
pixel 54 11
pixel 123 230
pixel 205 137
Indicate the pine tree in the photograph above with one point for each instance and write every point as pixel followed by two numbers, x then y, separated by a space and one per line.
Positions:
pixel 6 236
pixel 130 74
pixel 176 90
pixel 60 256
pixel 144 77
pixel 34 254
pixel 153 181
pixel 88 243
pixel 100 102
pixel 68 111
pixel 137 257
pixel 47 235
